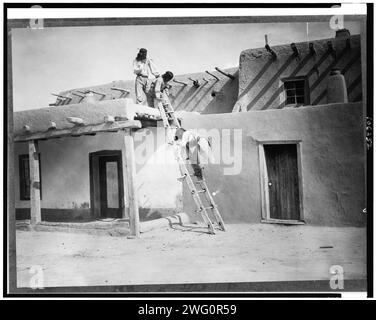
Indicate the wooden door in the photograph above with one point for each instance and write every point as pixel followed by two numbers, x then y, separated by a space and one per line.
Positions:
pixel 109 190
pixel 283 181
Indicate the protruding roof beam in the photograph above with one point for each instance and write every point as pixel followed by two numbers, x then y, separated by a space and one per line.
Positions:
pixel 295 50
pixel 75 121
pixel 62 97
pixel 80 130
pixel 312 50
pixel 195 82
pixel 52 125
pixel 214 76
pixel 120 89
pixel 225 73
pixel 180 82
pixel 81 95
pixel 109 119
pixel 267 47
pixel 98 93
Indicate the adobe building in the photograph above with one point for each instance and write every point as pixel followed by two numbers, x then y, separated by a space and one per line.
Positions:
pixel 297 148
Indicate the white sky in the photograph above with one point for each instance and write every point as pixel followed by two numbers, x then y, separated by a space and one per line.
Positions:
pixel 56 59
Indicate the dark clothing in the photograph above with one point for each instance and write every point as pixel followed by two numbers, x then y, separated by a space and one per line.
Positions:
pixel 197 168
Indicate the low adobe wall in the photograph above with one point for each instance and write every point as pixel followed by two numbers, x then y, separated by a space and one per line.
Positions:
pixel 212 96
pixel 332 161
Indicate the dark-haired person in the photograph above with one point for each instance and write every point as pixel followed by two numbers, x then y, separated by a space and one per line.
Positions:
pixel 160 88
pixel 145 71
pixel 194 148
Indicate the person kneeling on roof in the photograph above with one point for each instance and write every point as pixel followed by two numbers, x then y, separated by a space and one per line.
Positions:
pixel 159 88
pixel 196 149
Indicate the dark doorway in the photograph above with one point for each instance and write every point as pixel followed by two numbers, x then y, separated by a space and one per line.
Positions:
pixel 282 181
pixel 106 184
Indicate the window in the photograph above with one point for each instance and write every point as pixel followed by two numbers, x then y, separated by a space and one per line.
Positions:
pixel 25 177
pixel 296 92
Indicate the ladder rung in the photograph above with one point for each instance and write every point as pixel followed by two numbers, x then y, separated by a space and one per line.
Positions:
pixel 206 208
pixel 200 191
pixel 170 122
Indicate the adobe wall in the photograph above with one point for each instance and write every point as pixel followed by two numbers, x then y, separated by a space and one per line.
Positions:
pixel 332 161
pixel 65 175
pixel 38 120
pixel 212 96
pixel 260 85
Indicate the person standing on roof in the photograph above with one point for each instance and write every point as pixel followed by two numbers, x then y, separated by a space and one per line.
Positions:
pixel 145 71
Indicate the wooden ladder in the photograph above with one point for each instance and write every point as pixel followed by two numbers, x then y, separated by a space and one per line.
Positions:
pixel 196 185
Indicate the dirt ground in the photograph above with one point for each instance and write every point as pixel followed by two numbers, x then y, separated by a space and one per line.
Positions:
pixel 245 253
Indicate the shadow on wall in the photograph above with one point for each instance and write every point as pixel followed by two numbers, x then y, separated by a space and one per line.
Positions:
pixel 261 80
pixel 224 99
pixel 214 94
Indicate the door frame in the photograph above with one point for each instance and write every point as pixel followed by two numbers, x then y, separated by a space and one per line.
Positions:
pixel 94 181
pixel 265 204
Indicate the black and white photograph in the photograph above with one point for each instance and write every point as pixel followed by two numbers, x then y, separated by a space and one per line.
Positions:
pixel 188 150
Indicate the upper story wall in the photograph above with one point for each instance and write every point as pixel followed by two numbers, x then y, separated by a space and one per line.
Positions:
pixel 211 96
pixel 257 83
pixel 261 77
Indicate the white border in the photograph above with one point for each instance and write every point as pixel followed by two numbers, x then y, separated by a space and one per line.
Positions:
pixel 47 13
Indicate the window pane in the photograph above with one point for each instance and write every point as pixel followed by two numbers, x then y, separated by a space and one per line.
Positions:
pixel 294 91
pixel 300 99
pixel 289 85
pixel 291 93
pixel 27 189
pixel 300 92
pixel 299 84
pixel 290 100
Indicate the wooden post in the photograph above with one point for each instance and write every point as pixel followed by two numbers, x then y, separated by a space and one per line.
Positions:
pixel 129 164
pixel 35 211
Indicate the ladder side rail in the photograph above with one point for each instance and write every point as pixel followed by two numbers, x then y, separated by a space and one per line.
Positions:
pixel 214 209
pixel 201 209
pixel 166 114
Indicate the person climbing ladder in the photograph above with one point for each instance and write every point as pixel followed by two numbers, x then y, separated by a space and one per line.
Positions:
pixel 196 149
